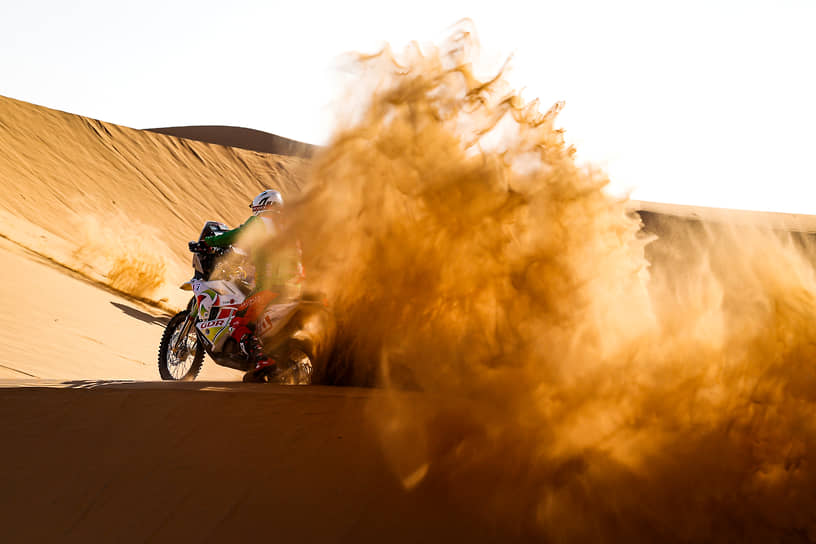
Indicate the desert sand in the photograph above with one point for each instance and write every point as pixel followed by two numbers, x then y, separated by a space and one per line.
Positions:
pixel 60 325
pixel 94 447
pixel 205 462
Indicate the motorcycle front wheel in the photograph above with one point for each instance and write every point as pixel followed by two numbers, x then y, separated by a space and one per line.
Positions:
pixel 180 359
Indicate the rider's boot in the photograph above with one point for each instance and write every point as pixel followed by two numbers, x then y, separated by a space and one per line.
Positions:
pixel 252 346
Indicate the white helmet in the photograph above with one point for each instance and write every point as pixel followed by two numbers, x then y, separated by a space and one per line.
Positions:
pixel 269 200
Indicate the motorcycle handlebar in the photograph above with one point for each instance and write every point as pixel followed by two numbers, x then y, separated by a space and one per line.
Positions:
pixel 196 247
pixel 201 247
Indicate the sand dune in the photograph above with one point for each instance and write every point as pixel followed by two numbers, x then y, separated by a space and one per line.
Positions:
pixel 90 454
pixel 788 222
pixel 244 138
pixel 137 461
pixel 76 184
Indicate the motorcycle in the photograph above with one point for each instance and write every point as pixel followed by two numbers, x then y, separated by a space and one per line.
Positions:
pixel 297 335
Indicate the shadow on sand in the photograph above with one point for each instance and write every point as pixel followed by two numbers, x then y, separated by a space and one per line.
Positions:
pixel 140 315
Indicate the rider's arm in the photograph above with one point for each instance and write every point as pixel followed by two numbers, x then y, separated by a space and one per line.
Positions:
pixel 228 238
pixel 278 268
pixel 290 271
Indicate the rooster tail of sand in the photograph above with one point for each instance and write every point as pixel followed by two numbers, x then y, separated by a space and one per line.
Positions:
pixel 568 391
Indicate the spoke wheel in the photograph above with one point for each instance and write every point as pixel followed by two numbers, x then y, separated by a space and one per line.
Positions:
pixel 180 359
pixel 301 367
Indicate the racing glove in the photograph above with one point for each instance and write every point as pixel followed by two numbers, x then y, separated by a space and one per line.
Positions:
pixel 198 247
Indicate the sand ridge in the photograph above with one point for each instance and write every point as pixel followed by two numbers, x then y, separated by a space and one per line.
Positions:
pixel 244 138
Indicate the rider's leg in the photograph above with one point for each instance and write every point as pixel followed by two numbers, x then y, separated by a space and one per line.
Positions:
pixel 254 348
pixel 243 326
pixel 249 343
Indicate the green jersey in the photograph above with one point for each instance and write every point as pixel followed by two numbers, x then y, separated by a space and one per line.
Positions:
pixel 277 263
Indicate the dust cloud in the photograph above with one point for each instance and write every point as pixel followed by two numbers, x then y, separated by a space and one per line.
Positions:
pixel 571 390
pixel 124 254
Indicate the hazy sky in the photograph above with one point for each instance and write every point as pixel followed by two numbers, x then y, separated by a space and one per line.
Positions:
pixel 710 102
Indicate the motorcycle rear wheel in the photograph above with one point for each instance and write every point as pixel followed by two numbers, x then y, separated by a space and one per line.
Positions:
pixel 294 369
pixel 175 367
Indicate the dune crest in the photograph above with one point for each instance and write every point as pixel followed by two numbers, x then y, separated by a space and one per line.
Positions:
pixel 244 138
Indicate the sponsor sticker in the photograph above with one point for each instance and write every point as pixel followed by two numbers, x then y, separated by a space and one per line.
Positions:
pixel 214 323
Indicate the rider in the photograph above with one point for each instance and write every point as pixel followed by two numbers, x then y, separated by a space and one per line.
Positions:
pixel 278 271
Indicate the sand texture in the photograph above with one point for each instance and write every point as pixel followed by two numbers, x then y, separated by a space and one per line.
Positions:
pixel 552 394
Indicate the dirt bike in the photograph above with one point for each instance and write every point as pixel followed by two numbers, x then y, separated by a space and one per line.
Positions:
pixel 297 335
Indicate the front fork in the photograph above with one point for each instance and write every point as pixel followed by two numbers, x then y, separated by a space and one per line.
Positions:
pixel 185 329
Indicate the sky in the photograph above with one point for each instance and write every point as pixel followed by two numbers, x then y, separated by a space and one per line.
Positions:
pixel 710 103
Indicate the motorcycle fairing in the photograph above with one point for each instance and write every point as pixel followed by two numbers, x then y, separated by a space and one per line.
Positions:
pixel 216 303
pixel 274 318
